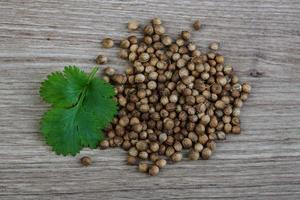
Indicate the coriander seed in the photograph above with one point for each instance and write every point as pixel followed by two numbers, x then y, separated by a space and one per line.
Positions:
pixel 154 157
pixel 144 57
pixel 172 97
pixel 206 153
pixel 198 147
pixel 131 160
pixel 177 146
pixel 86 161
pixel 109 71
pixel 133 152
pixel 143 167
pixel 163 137
pixel 246 88
pixel 132 39
pixel 176 157
pixel 185 35
pixel 106 79
pixel 180 42
pixel 194 155
pixel 101 60
pixel 211 144
pixel 143 155
pixel 154 147
pixel 139 78
pixel 125 44
pixel 133 25
pixel 169 151
pixel 197 25
pixel 107 43
pixel 221 135
pixel 214 46
pixel 156 21
pixel 159 29
pixel 126 145
pixel 166 40
pixel 148 30
pixel 187 143
pixel 154 170
pixel 104 144
pixel 205 119
pixel 161 163
pixel 236 130
pixel 203 139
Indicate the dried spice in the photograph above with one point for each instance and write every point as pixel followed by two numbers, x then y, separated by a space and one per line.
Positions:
pixel 107 43
pixel 100 60
pixel 86 161
pixel 133 25
pixel 197 25
pixel 172 98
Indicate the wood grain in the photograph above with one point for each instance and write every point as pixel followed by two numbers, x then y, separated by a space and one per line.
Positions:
pixel 261 39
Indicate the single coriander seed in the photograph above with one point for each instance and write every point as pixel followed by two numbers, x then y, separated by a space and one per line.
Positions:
pixel 143 167
pixel 176 157
pixel 133 152
pixel 236 130
pixel 125 44
pixel 106 79
pixel 144 57
pixel 143 155
pixel 198 147
pixel 156 21
pixel 206 153
pixel 197 25
pixel 104 144
pixel 133 25
pixel 194 155
pixel 86 161
pixel 185 35
pixel 154 170
pixel 139 78
pixel 131 160
pixel 219 59
pixel 107 43
pixel 221 135
pixel 214 46
pixel 148 30
pixel 163 137
pixel 187 143
pixel 161 163
pixel 101 60
pixel 166 40
pixel 159 29
pixel 133 39
pixel 246 87
pixel 109 71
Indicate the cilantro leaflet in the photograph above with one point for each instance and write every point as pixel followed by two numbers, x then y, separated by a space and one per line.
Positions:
pixel 82 106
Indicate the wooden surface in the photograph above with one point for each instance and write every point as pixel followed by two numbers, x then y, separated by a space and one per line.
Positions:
pixel 261 39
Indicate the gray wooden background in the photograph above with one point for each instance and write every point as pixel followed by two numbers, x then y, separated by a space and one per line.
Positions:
pixel 261 39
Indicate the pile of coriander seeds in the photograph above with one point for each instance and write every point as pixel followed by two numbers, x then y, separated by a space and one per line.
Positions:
pixel 172 99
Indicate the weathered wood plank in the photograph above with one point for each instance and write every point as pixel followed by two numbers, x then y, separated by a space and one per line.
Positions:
pixel 39 36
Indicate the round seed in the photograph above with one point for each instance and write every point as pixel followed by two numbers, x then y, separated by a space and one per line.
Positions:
pixel 107 43
pixel 86 161
pixel 133 25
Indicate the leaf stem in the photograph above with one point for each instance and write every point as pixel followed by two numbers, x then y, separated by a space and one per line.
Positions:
pixel 93 73
pixel 83 93
pixel 91 76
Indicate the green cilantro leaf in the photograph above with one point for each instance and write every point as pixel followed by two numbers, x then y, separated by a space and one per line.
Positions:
pixel 82 106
